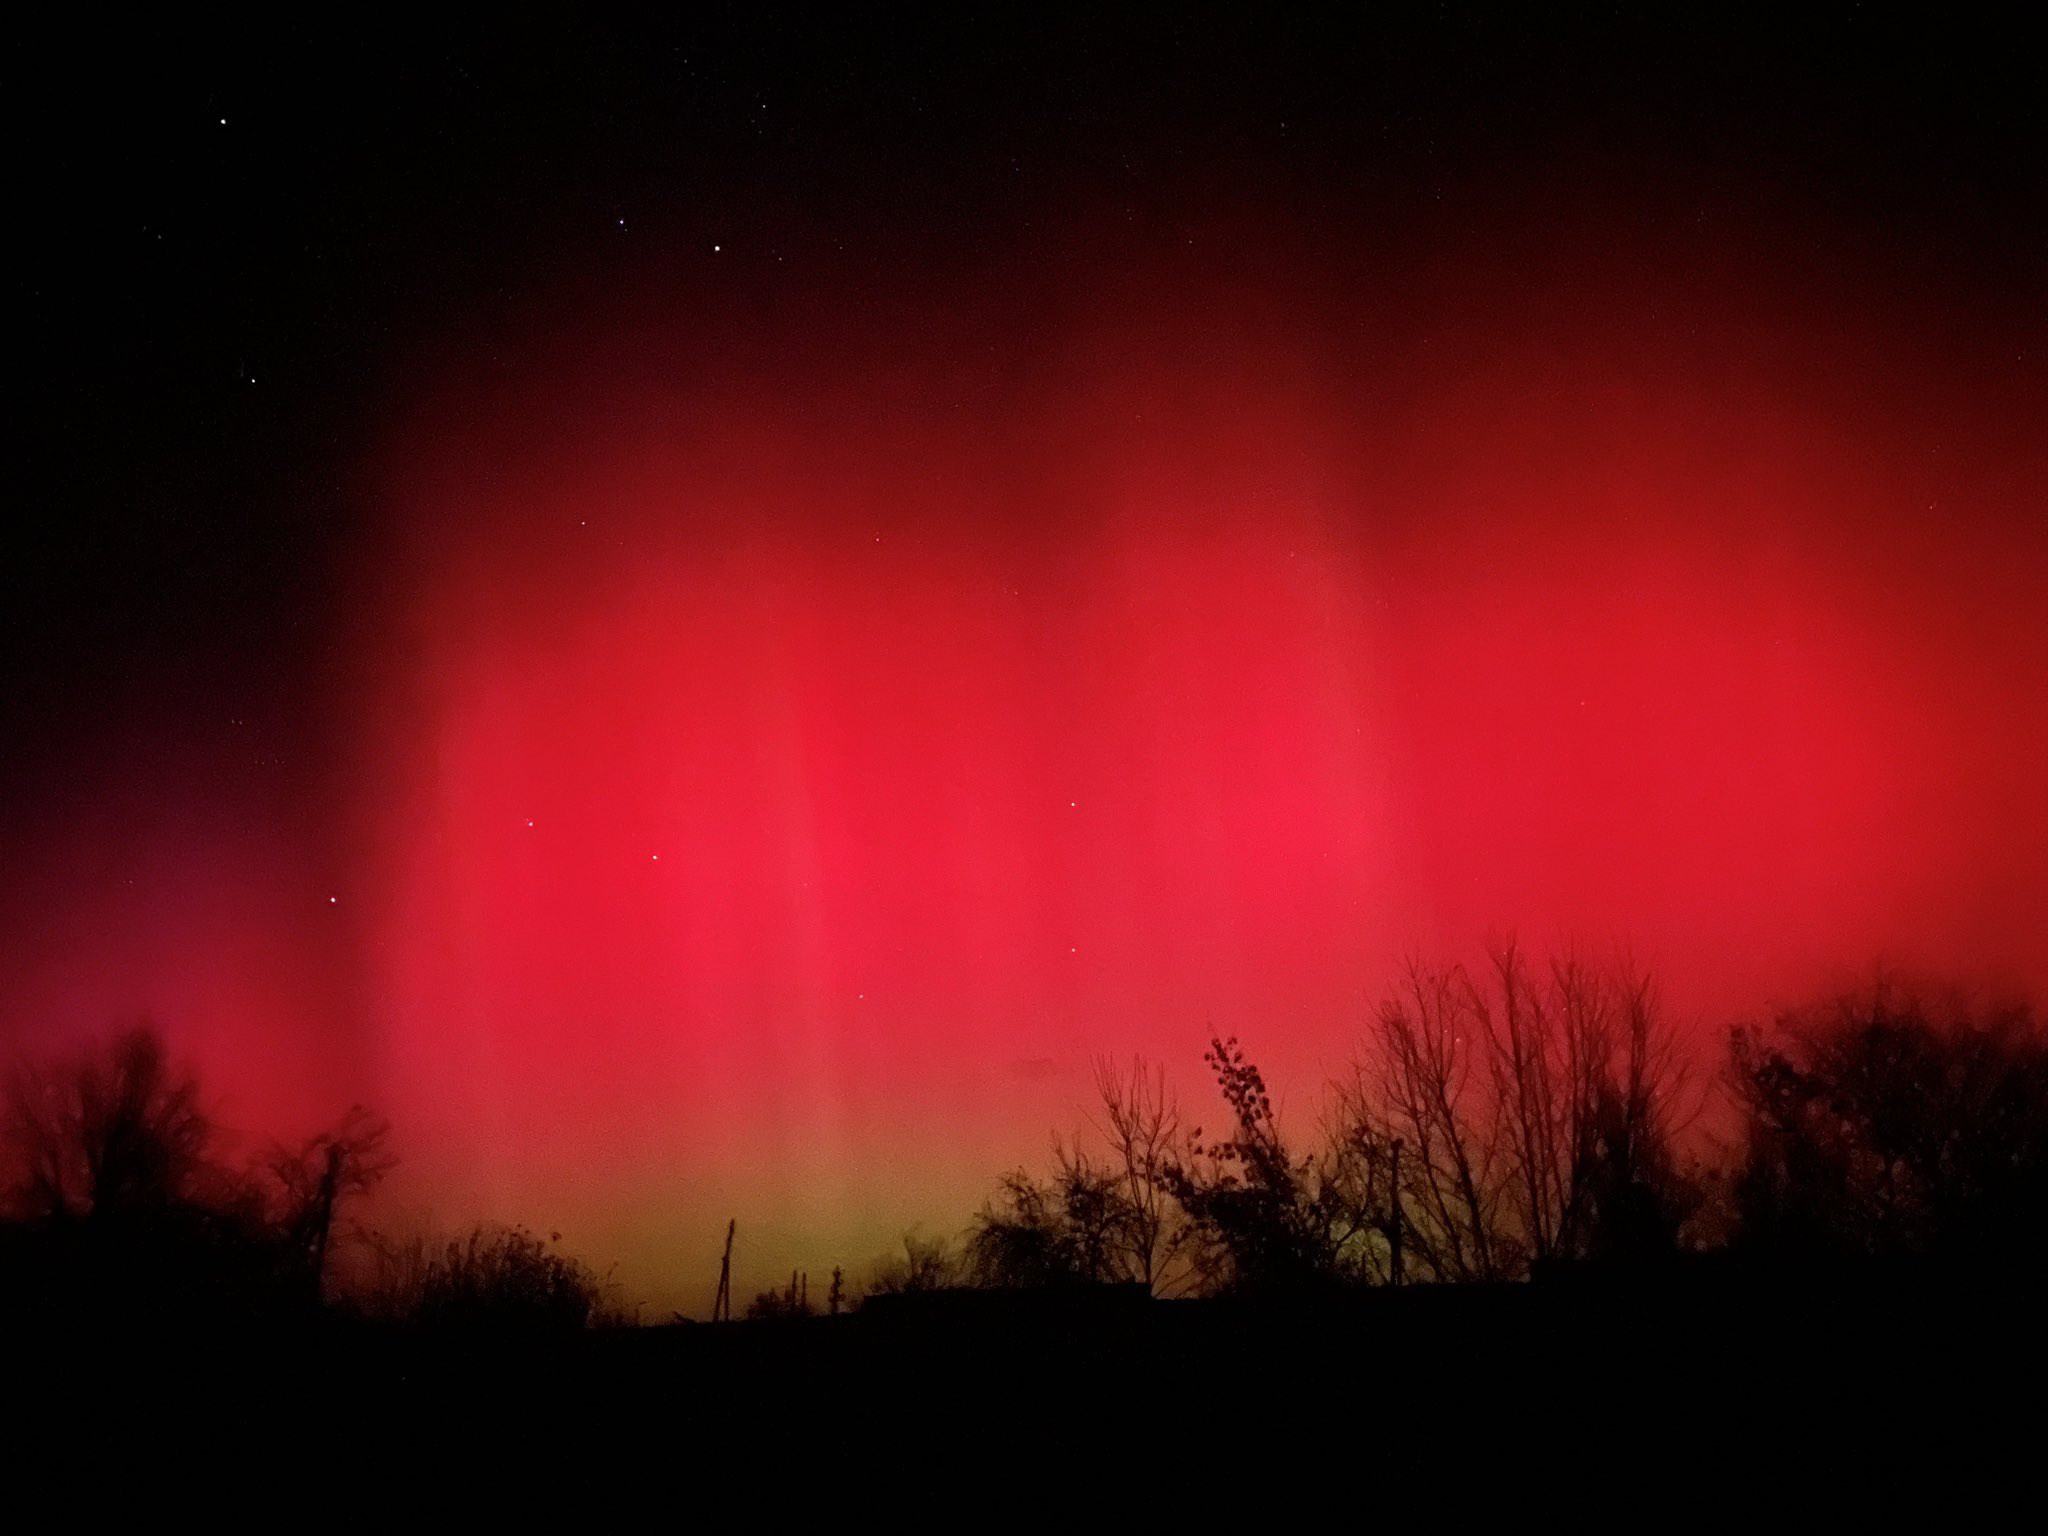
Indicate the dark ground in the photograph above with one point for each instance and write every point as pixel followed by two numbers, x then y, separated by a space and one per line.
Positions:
pixel 1826 1395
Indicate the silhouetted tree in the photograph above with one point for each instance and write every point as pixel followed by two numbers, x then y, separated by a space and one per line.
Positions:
pixel 1422 1084
pixel 1535 1111
pixel 1882 1123
pixel 1594 1091
pixel 113 1134
pixel 112 1147
pixel 1140 1122
pixel 1097 1219
pixel 926 1264
pixel 1266 1219
pixel 1019 1236
pixel 1074 1229
pixel 313 1182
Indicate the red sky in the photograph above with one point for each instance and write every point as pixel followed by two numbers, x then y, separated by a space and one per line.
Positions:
pixel 780 743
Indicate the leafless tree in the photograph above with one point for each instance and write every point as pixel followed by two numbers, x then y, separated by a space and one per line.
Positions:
pixel 1140 1122
pixel 1422 1084
pixel 115 1132
pixel 114 1155
pixel 1535 1111
pixel 315 1180
pixel 1100 1217
pixel 926 1264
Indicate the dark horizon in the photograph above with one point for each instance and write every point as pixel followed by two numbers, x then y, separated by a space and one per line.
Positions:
pixel 1536 1124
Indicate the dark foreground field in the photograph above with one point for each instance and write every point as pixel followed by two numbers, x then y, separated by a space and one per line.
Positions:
pixel 1839 1386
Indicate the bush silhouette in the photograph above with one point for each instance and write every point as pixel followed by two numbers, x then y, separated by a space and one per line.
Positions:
pixel 1880 1123
pixel 502 1279
pixel 120 1206
pixel 784 1305
pixel 926 1264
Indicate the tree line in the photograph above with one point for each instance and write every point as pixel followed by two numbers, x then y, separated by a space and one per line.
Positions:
pixel 124 1205
pixel 1520 1120
pixel 1529 1120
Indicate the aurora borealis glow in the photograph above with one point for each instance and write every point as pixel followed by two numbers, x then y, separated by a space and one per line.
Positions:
pixel 780 709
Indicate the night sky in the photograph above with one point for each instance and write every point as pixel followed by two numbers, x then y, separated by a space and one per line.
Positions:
pixel 702 610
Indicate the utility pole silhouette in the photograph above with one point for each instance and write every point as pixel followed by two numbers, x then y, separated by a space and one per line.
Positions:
pixel 721 1304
